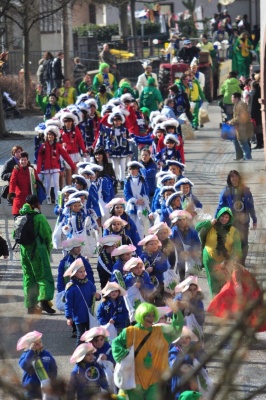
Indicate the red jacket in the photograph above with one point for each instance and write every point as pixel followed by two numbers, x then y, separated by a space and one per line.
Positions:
pixel 73 140
pixel 20 185
pixel 49 157
pixel 180 148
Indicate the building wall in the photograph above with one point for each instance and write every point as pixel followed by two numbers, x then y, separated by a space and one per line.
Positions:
pixel 263 70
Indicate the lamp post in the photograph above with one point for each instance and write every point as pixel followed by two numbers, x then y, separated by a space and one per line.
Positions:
pixel 156 42
pixel 142 23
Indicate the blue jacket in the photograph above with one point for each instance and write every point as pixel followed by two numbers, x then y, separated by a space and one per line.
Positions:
pixel 104 184
pixel 192 198
pixel 63 266
pixel 134 238
pixel 149 172
pixel 144 279
pixel 118 266
pixel 165 214
pixel 144 191
pixel 158 261
pixel 117 146
pixel 75 306
pixel 107 350
pixel 189 237
pixel 93 200
pixel 29 378
pixel 176 356
pixel 86 380
pixel 115 310
pixel 227 200
pixel 168 154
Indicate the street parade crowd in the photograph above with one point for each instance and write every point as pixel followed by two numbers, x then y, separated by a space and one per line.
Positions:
pixel 111 159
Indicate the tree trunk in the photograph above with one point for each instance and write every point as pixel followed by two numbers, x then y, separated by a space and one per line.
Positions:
pixel 27 83
pixel 133 24
pixel 66 42
pixel 123 21
pixel 2 119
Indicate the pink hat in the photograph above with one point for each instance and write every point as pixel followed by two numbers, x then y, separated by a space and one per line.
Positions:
pixel 115 201
pixel 158 227
pixel 187 332
pixel 69 244
pixel 110 240
pixel 109 222
pixel 184 285
pixel 25 341
pixel 81 351
pixel 74 267
pixel 93 332
pixel 149 238
pixel 123 250
pixel 110 287
pixel 179 214
pixel 133 262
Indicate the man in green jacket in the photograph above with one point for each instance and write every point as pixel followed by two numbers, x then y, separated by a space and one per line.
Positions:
pixel 230 86
pixel 151 96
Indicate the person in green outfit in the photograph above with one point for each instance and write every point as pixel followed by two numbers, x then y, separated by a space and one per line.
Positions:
pixel 232 51
pixel 197 97
pixel 48 104
pixel 150 343
pixel 86 85
pixel 104 77
pixel 125 87
pixel 189 395
pixel 242 48
pixel 38 281
pixel 220 241
pixel 230 86
pixel 151 96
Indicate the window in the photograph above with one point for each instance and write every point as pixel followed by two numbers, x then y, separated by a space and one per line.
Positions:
pixel 51 23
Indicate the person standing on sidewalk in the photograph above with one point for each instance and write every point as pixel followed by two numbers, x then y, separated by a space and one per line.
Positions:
pixel 38 281
pixel 8 169
pixel 244 128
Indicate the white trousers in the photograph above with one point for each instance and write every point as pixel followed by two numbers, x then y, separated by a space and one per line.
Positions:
pixel 119 165
pixel 51 180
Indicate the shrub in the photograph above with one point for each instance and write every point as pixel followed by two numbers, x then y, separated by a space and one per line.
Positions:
pixel 14 86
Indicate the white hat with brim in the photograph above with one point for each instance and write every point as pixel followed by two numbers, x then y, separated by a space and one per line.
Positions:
pixel 124 249
pixel 184 285
pixel 68 115
pixel 148 239
pixel 110 287
pixel 156 122
pixel 173 138
pixel 69 244
pixel 158 227
pixel 109 240
pixel 177 163
pixel 91 102
pixel 109 222
pixel 25 341
pixel 126 97
pixel 179 214
pixel 89 335
pixel 79 193
pixel 132 263
pixel 170 122
pixel 73 200
pixel 172 197
pixel 96 167
pixel 114 102
pixel 184 181
pixel 81 178
pixel 81 351
pixel 115 201
pixel 167 189
pixel 53 122
pixel 167 177
pixel 69 189
pixel 83 164
pixel 111 117
pixel 74 267
pixel 187 332
pixel 161 174
pixel 154 114
pixel 131 164
pixel 52 129
pixel 87 170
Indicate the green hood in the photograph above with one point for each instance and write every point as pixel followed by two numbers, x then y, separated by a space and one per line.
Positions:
pixel 151 81
pixel 229 87
pixel 189 395
pixel 26 209
pixel 103 66
pixel 228 211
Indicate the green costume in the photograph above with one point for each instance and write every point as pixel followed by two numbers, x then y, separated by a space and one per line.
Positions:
pixel 126 88
pixel 196 96
pixel 151 96
pixel 83 88
pixel 48 109
pixel 106 79
pixel 38 281
pixel 242 49
pixel 219 243
pixel 230 86
pixel 189 395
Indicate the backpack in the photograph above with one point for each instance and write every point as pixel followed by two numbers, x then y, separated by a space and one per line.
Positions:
pixel 24 229
pixel 148 98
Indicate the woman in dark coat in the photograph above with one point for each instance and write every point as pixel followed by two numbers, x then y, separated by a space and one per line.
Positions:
pixel 8 168
pixel 255 113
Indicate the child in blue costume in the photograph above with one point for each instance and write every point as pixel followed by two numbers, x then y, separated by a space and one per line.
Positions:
pixel 137 276
pixel 123 254
pixel 105 261
pixel 185 185
pixel 155 263
pixel 149 170
pixel 166 179
pixel 169 152
pixel 98 337
pixel 79 298
pixel 185 238
pixel 173 127
pixel 136 192
pixel 60 209
pixel 113 308
pixel 117 208
pixel 172 203
pixel 33 348
pixel 87 377
pixel 81 183
pixel 176 168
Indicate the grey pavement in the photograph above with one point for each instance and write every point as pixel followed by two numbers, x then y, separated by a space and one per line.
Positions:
pixel 208 161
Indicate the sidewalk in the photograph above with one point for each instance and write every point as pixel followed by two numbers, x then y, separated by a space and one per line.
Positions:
pixel 208 161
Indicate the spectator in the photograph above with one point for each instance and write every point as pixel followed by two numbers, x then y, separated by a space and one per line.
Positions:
pixel 242 47
pixel 3 63
pixel 79 72
pixel 8 168
pixel 107 57
pixel 143 78
pixel 47 71
pixel 48 104
pixel 104 77
pixel 68 92
pixel 102 97
pixel 230 86
pixel 255 111
pixel 39 73
pixel 57 74
pixel 3 248
pixel 86 84
pixel 188 52
pixel 220 34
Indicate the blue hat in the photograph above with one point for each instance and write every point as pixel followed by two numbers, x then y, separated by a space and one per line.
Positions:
pixel 182 182
pixel 167 177
pixel 167 189
pixel 172 197
pixel 80 178
pixel 177 163
pixel 73 201
pixel 134 164
pixel 186 42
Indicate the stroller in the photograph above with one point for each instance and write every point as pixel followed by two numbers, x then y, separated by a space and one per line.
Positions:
pixel 10 107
